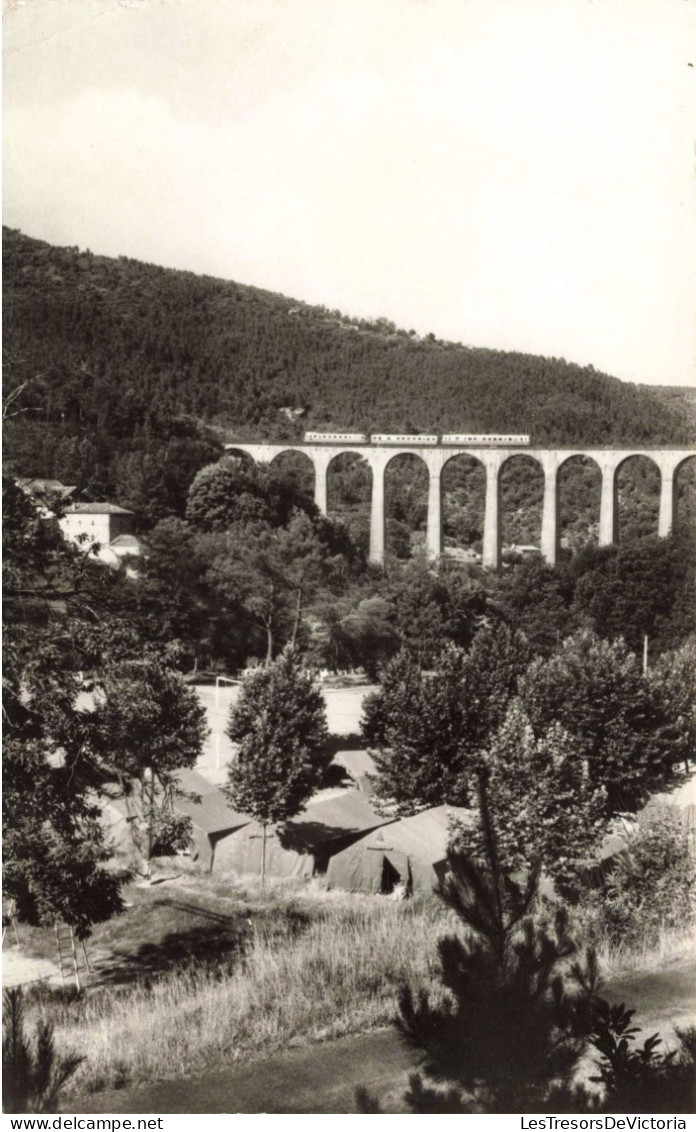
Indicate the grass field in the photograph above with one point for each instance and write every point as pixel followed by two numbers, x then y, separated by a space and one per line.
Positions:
pixel 201 973
pixel 197 971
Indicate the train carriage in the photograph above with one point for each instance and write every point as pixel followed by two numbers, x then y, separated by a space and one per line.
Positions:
pixel 403 440
pixel 335 438
pixel 512 439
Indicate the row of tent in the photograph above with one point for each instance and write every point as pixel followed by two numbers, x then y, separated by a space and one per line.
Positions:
pixel 340 835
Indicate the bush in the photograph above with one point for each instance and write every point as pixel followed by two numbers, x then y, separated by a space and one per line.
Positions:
pixel 652 886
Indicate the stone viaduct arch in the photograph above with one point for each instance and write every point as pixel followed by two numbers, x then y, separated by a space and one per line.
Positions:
pixel 608 460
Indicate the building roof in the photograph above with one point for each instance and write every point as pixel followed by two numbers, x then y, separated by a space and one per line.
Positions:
pixel 125 540
pixel 97 509
pixel 46 487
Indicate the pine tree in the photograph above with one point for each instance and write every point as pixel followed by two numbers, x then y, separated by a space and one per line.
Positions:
pixel 279 722
pixel 511 1030
pixel 32 1078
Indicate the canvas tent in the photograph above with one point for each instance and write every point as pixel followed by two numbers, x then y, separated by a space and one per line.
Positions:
pixel 305 844
pixel 360 768
pixel 677 804
pixel 211 817
pixel 410 851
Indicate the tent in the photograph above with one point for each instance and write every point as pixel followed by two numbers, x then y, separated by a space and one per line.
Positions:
pixel 410 852
pixel 360 768
pixel 211 817
pixel 305 844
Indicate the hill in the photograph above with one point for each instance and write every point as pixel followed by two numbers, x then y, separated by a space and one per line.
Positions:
pixel 123 357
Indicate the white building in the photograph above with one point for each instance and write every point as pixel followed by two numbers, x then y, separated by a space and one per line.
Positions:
pixel 107 524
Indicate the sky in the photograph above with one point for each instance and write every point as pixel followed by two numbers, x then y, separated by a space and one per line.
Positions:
pixel 516 174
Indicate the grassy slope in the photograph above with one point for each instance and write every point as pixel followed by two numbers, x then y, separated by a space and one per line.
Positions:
pixel 293 963
pixel 201 973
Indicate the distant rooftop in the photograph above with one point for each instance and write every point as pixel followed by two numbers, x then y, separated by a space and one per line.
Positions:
pixel 125 540
pixel 97 509
pixel 46 487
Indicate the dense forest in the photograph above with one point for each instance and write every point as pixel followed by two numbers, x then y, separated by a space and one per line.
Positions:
pixel 127 377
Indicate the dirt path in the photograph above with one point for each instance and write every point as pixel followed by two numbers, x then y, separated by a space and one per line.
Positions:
pixel 19 969
pixel 318 1078
pixel 323 1078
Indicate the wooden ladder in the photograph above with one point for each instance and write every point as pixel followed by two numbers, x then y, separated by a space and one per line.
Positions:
pixel 68 954
pixel 8 917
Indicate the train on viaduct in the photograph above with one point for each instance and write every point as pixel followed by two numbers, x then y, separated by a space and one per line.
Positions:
pixel 492 451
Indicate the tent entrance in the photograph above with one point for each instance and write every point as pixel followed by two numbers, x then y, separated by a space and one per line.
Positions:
pixel 396 873
pixel 390 877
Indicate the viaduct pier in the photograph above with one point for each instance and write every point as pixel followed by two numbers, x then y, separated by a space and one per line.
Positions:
pixel 492 458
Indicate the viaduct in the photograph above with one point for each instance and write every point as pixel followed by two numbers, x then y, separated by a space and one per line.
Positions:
pixel 377 456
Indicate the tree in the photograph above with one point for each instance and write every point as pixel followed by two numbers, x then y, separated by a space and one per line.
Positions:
pixel 32 1078
pixel 155 726
pixel 674 679
pixel 355 632
pixel 520 1008
pixel 417 728
pixel 510 1031
pixel 432 607
pixel 596 690
pixel 279 722
pixel 177 600
pixel 231 492
pixel 225 493
pixel 88 703
pixel 544 806
pixel 54 852
pixel 536 599
pixel 428 728
pixel 645 587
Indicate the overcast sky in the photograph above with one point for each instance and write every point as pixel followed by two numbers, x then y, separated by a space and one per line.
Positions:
pixel 516 174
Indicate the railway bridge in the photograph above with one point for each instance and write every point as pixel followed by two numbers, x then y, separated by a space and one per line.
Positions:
pixel 492 457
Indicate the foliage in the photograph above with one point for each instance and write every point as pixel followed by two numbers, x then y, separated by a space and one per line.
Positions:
pixel 155 726
pixel 641 1079
pixel 433 606
pixel 127 376
pixel 428 728
pixel 354 632
pixel 178 602
pixel 55 855
pixel 536 599
pixel 645 587
pixel 542 802
pixel 621 724
pixel 32 1077
pixel 652 884
pixel 279 722
pixel 416 724
pixel 232 492
pixel 674 678
pixel 511 1029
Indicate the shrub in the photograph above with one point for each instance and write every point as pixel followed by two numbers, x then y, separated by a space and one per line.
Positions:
pixel 639 1078
pixel 652 886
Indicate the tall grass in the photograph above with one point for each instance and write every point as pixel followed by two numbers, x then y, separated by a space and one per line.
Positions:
pixel 339 975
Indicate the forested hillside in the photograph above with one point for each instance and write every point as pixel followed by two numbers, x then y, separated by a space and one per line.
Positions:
pixel 128 365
